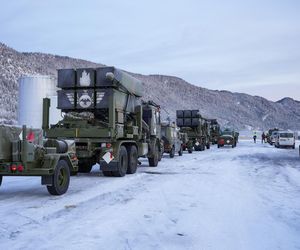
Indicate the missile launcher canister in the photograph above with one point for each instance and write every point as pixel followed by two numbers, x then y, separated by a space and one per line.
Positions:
pixel 90 89
pixel 104 115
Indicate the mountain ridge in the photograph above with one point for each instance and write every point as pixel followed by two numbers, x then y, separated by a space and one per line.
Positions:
pixel 238 110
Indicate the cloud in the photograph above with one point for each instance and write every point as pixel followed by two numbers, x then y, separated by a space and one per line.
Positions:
pixel 234 45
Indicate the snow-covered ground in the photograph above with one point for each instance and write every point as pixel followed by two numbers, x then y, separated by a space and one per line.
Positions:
pixel 242 198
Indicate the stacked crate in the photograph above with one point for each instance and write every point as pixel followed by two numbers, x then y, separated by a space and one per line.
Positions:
pixel 89 89
pixel 188 118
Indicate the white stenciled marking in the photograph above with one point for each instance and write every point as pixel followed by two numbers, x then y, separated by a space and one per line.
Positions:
pixel 85 79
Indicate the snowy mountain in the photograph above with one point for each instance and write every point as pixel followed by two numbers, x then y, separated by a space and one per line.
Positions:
pixel 231 109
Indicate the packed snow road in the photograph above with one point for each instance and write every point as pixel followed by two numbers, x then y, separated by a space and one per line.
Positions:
pixel 242 198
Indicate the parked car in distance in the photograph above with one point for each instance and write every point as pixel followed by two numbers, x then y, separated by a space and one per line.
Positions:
pixel 285 139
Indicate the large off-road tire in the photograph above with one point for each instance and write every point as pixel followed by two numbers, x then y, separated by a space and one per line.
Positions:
pixel 172 153
pixel 180 151
pixel 1 177
pixel 132 159
pixel 60 179
pixel 153 161
pixel 122 164
pixel 85 165
pixel 160 153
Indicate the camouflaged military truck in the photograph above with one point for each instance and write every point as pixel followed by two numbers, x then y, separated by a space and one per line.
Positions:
pixel 196 127
pixel 53 161
pixel 228 137
pixel 172 139
pixel 206 132
pixel 104 116
pixel 152 127
pixel 270 139
pixel 215 131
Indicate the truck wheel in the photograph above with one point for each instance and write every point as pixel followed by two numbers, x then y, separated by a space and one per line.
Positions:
pixel 122 164
pixel 160 155
pixel 85 165
pixel 180 151
pixel 161 152
pixel 132 159
pixel 172 153
pixel 1 179
pixel 60 179
pixel 153 161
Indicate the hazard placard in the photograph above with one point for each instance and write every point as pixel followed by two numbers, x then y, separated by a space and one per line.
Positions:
pixel 108 157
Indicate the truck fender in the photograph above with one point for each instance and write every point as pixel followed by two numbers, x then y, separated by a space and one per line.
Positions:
pixel 51 162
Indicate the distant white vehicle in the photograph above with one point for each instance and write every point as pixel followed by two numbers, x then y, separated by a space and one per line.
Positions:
pixel 285 139
pixel 273 137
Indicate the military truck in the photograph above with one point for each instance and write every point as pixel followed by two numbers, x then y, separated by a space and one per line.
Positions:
pixel 228 137
pixel 185 140
pixel 53 161
pixel 196 127
pixel 215 131
pixel 104 115
pixel 270 139
pixel 152 126
pixel 206 132
pixel 172 139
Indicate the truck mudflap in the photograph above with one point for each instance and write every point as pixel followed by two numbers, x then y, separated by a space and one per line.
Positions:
pixel 112 166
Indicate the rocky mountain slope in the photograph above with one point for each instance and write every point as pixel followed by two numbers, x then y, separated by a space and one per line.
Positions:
pixel 231 109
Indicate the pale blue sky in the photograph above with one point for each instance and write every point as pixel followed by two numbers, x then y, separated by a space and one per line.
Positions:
pixel 246 46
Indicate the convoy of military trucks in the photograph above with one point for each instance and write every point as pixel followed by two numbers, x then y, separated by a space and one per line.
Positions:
pixel 105 122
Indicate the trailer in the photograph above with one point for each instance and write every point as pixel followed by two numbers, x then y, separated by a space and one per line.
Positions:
pixel 54 161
